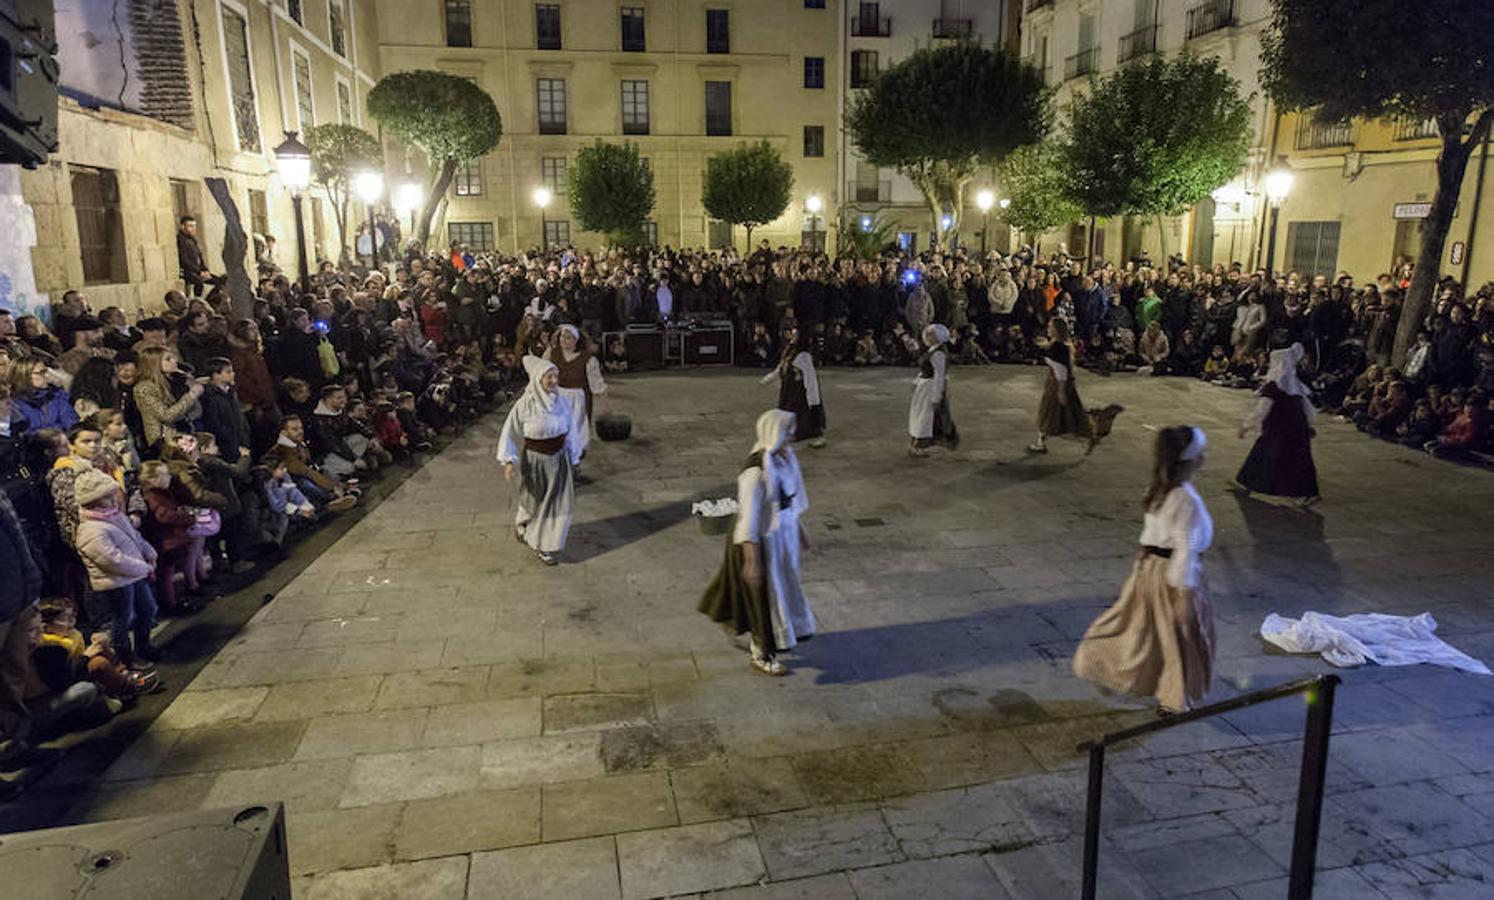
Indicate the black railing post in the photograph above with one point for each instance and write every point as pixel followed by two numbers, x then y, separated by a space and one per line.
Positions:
pixel 1092 820
pixel 1310 788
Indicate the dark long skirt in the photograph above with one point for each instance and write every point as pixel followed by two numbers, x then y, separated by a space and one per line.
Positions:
pixel 809 421
pixel 1056 418
pixel 740 607
pixel 1280 463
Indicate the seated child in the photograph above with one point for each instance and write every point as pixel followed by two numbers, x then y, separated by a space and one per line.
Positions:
pixel 1420 427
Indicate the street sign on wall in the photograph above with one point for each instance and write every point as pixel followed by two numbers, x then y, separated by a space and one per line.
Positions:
pixel 1411 210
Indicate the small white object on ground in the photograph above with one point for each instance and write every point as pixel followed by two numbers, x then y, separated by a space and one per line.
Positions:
pixel 1368 637
pixel 713 509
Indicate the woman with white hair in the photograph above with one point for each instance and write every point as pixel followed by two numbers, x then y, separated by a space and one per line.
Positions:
pixel 929 420
pixel 538 441
pixel 580 381
pixel 1280 464
pixel 1157 640
pixel 758 589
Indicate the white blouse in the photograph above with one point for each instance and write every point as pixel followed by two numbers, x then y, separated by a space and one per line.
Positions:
pixel 530 419
pixel 751 497
pixel 804 362
pixel 1181 524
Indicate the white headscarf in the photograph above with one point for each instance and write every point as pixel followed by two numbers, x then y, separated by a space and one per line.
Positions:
pixel 536 367
pixel 1283 371
pixel 1197 444
pixel 575 332
pixel 935 334
pixel 774 428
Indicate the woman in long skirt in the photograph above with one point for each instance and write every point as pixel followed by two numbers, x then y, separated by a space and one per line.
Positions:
pixel 929 419
pixel 1280 464
pixel 1062 412
pixel 539 442
pixel 799 390
pixel 1157 640
pixel 757 589
pixel 580 379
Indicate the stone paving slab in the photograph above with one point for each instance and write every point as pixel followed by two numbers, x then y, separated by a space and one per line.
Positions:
pixel 445 717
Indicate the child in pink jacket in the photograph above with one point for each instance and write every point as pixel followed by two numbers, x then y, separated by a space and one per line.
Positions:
pixel 120 563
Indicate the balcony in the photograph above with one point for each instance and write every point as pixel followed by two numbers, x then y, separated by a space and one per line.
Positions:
pixel 1035 5
pixel 1081 63
pixel 953 28
pixel 1315 135
pixel 870 192
pixel 1210 16
pixel 1411 130
pixel 1138 43
pixel 871 26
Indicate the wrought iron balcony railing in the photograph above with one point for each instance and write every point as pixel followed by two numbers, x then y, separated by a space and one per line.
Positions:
pixel 1138 43
pixel 1210 16
pixel 1081 63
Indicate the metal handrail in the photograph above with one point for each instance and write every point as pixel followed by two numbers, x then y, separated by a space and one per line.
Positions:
pixel 1320 690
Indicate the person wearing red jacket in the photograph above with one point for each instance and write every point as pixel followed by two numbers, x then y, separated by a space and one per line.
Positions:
pixel 166 528
pixel 433 320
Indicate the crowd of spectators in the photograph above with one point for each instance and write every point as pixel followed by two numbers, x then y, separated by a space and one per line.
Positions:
pixel 191 444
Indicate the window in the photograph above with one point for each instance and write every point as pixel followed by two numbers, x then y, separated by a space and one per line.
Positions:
pixel 551 105
pixel 863 67
pixel 304 107
pixel 259 212
pixel 632 29
pixel 344 103
pixel 458 23
pixel 100 227
pixel 183 199
pixel 907 240
pixel 557 233
pixel 635 107
pixel 240 80
pixel 814 71
pixel 1312 248
pixel 547 26
pixel 718 31
pixel 552 173
pixel 294 8
pixel 477 236
pixel 1314 133
pixel 814 140
pixel 718 108
pixel 651 233
pixel 814 4
pixel 339 32
pixel 467 182
pixel 718 234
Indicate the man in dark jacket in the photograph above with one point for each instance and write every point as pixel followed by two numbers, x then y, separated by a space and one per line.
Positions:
pixel 194 269
pixel 223 414
pixel 297 355
pixel 20 585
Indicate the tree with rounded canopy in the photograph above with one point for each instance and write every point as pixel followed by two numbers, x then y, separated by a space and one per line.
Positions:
pixel 1033 180
pixel 1432 59
pixel 748 186
pixel 449 118
pixel 1184 131
pixel 337 153
pixel 946 112
pixel 611 190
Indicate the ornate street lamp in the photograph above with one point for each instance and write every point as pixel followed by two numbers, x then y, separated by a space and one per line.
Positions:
pixel 984 200
pixel 542 198
pixel 293 160
pixel 812 205
pixel 1278 186
pixel 369 186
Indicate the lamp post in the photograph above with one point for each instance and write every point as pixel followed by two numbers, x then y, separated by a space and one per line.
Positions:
pixel 1278 186
pixel 293 160
pixel 370 187
pixel 542 197
pixel 984 200
pixel 812 205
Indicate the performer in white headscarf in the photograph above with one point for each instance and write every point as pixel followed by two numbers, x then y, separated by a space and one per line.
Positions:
pixel 538 441
pixel 929 420
pixel 1157 640
pixel 1280 464
pixel 580 380
pixel 758 589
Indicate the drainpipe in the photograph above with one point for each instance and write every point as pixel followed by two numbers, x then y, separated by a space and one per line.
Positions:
pixel 279 80
pixel 1478 196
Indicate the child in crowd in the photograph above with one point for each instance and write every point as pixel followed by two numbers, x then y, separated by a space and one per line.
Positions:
pixel 64 656
pixel 760 353
pixel 166 528
pixel 284 498
pixel 1217 365
pixel 866 349
pixel 1420 427
pixel 120 564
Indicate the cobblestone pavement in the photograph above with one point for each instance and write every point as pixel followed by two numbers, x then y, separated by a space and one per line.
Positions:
pixel 445 717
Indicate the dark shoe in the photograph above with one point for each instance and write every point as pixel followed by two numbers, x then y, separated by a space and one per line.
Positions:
pixel 148 653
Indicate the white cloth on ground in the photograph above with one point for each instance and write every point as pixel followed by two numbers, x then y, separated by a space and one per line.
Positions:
pixel 1368 637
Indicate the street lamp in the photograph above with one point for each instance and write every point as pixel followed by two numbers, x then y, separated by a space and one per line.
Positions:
pixel 406 199
pixel 542 197
pixel 1278 186
pixel 370 187
pixel 813 204
pixel 294 162
pixel 984 200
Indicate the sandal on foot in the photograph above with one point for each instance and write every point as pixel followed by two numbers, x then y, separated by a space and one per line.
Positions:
pixel 769 667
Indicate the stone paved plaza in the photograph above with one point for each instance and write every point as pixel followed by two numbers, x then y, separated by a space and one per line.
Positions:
pixel 444 717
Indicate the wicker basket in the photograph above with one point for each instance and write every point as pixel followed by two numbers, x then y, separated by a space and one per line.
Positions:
pixel 716 525
pixel 614 427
